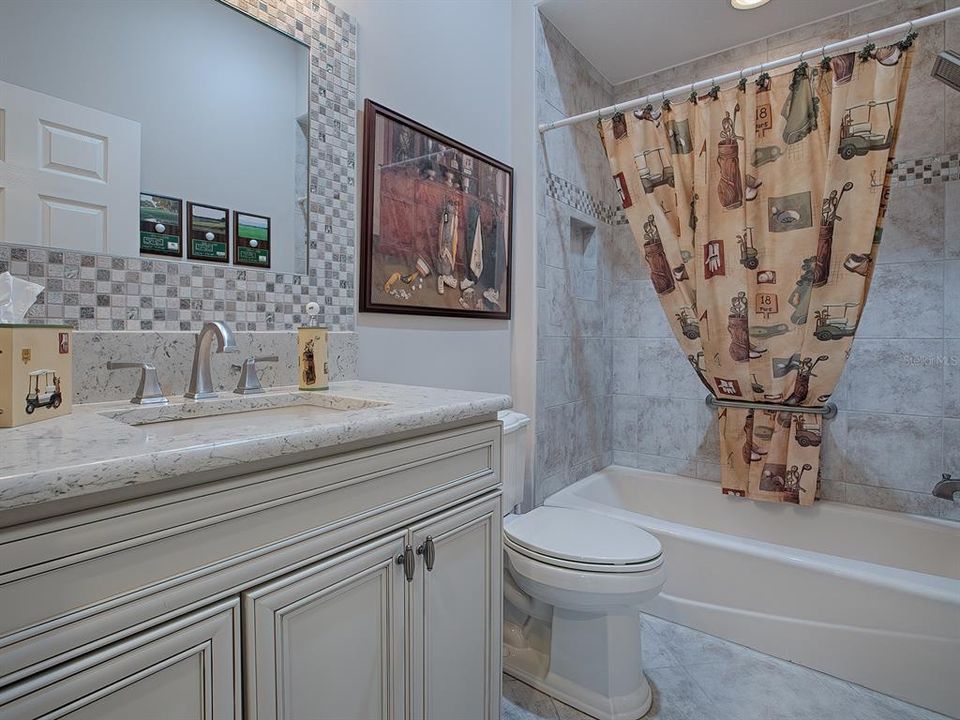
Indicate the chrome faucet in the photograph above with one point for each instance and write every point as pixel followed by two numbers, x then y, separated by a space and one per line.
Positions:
pixel 947 487
pixel 201 385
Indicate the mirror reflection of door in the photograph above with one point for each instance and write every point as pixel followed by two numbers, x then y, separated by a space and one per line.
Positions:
pixel 103 99
pixel 61 186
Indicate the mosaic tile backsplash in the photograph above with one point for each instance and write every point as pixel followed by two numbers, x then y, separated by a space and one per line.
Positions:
pixel 102 292
pixel 105 292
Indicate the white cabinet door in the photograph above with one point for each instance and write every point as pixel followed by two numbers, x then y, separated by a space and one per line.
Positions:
pixel 456 613
pixel 69 174
pixel 327 642
pixel 187 668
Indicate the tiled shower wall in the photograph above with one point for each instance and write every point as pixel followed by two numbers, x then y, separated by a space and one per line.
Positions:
pixel 575 236
pixel 101 292
pixel 899 397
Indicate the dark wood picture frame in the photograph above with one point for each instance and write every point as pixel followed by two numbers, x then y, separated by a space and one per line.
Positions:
pixel 165 253
pixel 237 214
pixel 226 239
pixel 369 206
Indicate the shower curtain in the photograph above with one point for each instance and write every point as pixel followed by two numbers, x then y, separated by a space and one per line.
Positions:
pixel 758 210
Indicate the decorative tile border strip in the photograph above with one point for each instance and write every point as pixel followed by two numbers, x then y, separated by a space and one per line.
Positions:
pixel 568 193
pixel 919 171
pixel 927 170
pixel 104 292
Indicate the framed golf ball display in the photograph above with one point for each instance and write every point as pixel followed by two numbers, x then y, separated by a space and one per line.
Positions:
pixel 251 239
pixel 208 236
pixel 161 225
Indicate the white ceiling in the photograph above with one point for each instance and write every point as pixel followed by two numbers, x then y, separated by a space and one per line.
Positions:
pixel 626 39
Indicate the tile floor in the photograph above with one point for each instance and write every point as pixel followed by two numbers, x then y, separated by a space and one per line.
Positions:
pixel 699 677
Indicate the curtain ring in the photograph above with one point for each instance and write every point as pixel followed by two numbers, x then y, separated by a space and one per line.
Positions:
pixel 823 52
pixel 801 56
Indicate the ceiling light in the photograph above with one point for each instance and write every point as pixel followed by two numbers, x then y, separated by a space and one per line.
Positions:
pixel 747 4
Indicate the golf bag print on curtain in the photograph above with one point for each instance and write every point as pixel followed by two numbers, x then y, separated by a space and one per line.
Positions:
pixel 758 210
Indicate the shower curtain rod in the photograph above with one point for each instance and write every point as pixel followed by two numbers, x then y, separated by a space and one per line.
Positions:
pixel 736 75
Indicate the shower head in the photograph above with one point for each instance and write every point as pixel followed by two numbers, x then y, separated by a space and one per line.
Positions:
pixel 946 69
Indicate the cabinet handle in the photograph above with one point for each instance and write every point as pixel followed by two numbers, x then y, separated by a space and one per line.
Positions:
pixel 429 552
pixel 407 560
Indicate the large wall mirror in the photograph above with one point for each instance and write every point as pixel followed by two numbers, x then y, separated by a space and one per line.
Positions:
pixel 125 123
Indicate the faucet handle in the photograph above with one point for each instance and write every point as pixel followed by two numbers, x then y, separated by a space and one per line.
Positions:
pixel 249 382
pixel 149 392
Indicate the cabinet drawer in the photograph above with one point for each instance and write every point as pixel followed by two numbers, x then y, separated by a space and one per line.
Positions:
pixel 188 668
pixel 68 584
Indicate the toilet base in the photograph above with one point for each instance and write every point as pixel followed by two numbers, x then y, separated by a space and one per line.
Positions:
pixel 593 661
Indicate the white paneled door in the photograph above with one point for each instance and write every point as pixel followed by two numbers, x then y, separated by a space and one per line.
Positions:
pixel 69 174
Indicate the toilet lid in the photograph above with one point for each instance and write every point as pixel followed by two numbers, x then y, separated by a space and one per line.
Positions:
pixel 582 536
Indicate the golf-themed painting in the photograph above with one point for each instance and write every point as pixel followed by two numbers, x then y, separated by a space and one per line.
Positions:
pixel 208 237
pixel 436 227
pixel 251 240
pixel 161 225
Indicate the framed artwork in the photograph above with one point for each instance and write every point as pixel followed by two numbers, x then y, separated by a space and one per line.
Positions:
pixel 161 225
pixel 436 233
pixel 208 236
pixel 251 239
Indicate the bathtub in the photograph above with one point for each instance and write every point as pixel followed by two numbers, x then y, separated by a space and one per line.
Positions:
pixel 865 595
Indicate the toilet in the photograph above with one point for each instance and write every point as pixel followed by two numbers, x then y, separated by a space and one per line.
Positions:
pixel 574 582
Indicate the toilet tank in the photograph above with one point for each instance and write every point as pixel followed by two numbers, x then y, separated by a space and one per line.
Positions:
pixel 513 457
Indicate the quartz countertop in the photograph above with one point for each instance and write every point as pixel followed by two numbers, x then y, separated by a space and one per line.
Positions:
pixel 91 450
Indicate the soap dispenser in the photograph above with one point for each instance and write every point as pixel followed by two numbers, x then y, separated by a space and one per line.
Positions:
pixel 312 351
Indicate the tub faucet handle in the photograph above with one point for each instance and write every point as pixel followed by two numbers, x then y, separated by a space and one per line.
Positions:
pixel 947 488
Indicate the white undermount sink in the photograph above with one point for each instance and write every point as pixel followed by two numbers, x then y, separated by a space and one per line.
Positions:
pixel 273 411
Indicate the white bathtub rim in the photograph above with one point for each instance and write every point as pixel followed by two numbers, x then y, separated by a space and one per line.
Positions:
pixel 932 587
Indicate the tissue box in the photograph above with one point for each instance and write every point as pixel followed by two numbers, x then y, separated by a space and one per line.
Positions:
pixel 36 373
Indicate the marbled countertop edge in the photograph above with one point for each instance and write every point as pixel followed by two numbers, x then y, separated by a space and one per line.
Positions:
pixel 88 451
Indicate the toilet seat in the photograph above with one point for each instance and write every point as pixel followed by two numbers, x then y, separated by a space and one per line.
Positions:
pixel 583 567
pixel 583 541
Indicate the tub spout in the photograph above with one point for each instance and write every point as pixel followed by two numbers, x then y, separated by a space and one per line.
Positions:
pixel 947 488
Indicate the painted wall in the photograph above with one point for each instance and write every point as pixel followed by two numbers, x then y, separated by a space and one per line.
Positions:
pixel 204 99
pixel 446 65
pixel 899 423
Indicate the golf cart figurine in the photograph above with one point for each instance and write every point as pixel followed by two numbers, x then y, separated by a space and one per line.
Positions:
pixel 49 397
pixel 36 379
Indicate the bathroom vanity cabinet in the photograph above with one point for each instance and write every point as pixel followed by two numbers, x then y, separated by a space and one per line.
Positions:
pixel 360 585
